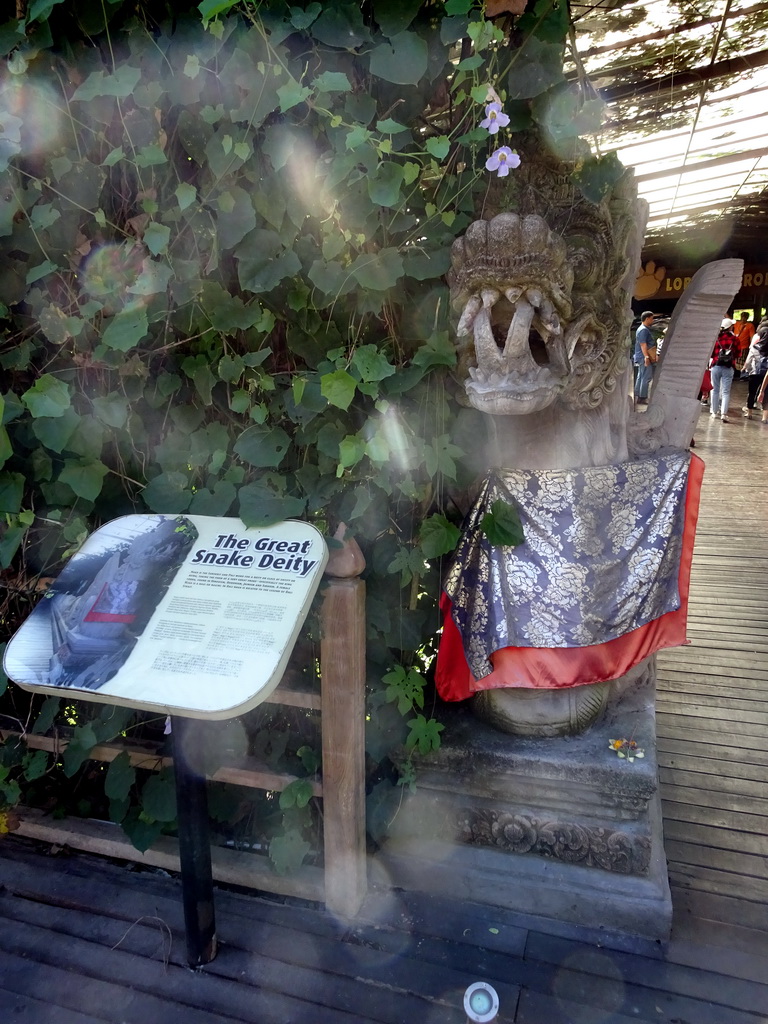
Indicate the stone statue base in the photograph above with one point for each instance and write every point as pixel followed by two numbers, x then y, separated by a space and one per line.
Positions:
pixel 560 828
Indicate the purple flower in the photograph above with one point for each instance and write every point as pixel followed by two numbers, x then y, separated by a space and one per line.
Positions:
pixel 502 160
pixel 495 118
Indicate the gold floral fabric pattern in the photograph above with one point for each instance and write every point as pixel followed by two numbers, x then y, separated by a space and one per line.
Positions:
pixel 600 558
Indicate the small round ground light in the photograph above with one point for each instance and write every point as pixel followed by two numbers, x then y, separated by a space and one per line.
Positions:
pixel 481 1003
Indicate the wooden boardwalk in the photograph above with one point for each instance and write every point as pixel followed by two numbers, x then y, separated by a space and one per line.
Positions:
pixel 88 941
pixel 712 710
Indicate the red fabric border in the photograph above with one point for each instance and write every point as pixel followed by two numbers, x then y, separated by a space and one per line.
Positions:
pixel 552 668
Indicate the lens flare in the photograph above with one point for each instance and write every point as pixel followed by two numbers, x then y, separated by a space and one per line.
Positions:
pixel 110 271
pixel 34 105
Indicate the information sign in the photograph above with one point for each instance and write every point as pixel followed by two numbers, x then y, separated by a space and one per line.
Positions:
pixel 184 615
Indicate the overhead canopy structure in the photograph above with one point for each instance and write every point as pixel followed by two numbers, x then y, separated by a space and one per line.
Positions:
pixel 686 86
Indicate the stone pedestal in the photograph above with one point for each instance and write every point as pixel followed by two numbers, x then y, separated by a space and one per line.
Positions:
pixel 557 827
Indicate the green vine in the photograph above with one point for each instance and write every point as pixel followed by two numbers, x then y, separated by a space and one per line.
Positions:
pixel 222 292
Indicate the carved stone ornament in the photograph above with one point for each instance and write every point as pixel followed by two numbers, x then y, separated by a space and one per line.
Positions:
pixel 570 842
pixel 542 290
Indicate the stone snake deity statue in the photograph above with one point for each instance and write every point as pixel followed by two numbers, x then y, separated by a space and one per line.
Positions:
pixel 542 287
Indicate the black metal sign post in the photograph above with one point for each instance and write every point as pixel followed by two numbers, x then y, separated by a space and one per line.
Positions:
pixel 194 850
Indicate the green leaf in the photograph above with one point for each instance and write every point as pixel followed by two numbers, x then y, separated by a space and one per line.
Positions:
pixel 216 502
pixel 390 127
pixel 502 525
pixel 341 25
pixel 168 492
pixel 185 195
pixel 158 797
pixel 79 749
pixel 598 175
pixel 303 19
pixel 48 397
pixel 6 448
pixel 424 734
pixel 11 491
pixel 151 156
pixel 439 147
pixel 287 852
pixel 291 94
pixel 384 188
pixel 120 778
pixel 263 446
pixel 331 81
pixel 126 329
pixel 351 450
pixel 536 66
pixel 394 16
pixel 261 506
pixel 121 84
pixel 35 765
pixel 403 60
pixel 84 476
pixel 338 388
pixel 406 689
pixel 371 364
pixel 378 271
pixel 40 271
pixel 438 536
pixel 440 455
pixel 47 715
pixel 156 238
pixel 263 261
pixel 210 9
pixel 296 794
pixel 425 265
pixel 112 410
pixel 142 833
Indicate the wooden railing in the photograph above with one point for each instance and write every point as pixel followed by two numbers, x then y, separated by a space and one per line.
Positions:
pixel 342 884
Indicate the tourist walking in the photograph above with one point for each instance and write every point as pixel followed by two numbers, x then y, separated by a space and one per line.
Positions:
pixel 761 399
pixel 644 357
pixel 744 330
pixel 721 370
pixel 756 367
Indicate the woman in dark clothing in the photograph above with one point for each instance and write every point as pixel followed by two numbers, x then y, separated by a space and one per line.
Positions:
pixel 756 366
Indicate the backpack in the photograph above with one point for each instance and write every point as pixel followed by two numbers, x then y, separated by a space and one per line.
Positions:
pixel 725 357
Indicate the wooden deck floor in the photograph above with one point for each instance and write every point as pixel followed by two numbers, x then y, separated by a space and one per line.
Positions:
pixel 88 941
pixel 712 710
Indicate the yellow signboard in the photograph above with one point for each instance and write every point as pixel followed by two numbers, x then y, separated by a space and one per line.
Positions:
pixel 657 282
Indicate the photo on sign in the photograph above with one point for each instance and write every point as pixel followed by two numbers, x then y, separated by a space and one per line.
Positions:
pixel 90 619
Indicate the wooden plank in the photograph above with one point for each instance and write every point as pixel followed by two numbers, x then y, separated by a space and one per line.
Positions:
pixel 745 779
pixel 235 971
pixel 711 836
pixel 246 771
pixel 712 798
pixel 537 1007
pixel 679 727
pixel 717 703
pixel 23 1009
pixel 717 818
pixel 639 981
pixel 721 883
pixel 108 840
pixel 751 865
pixel 294 698
pixel 342 661
pixel 749 731
pixel 169 993
pixel 715 782
pixel 669 745
pixel 726 909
